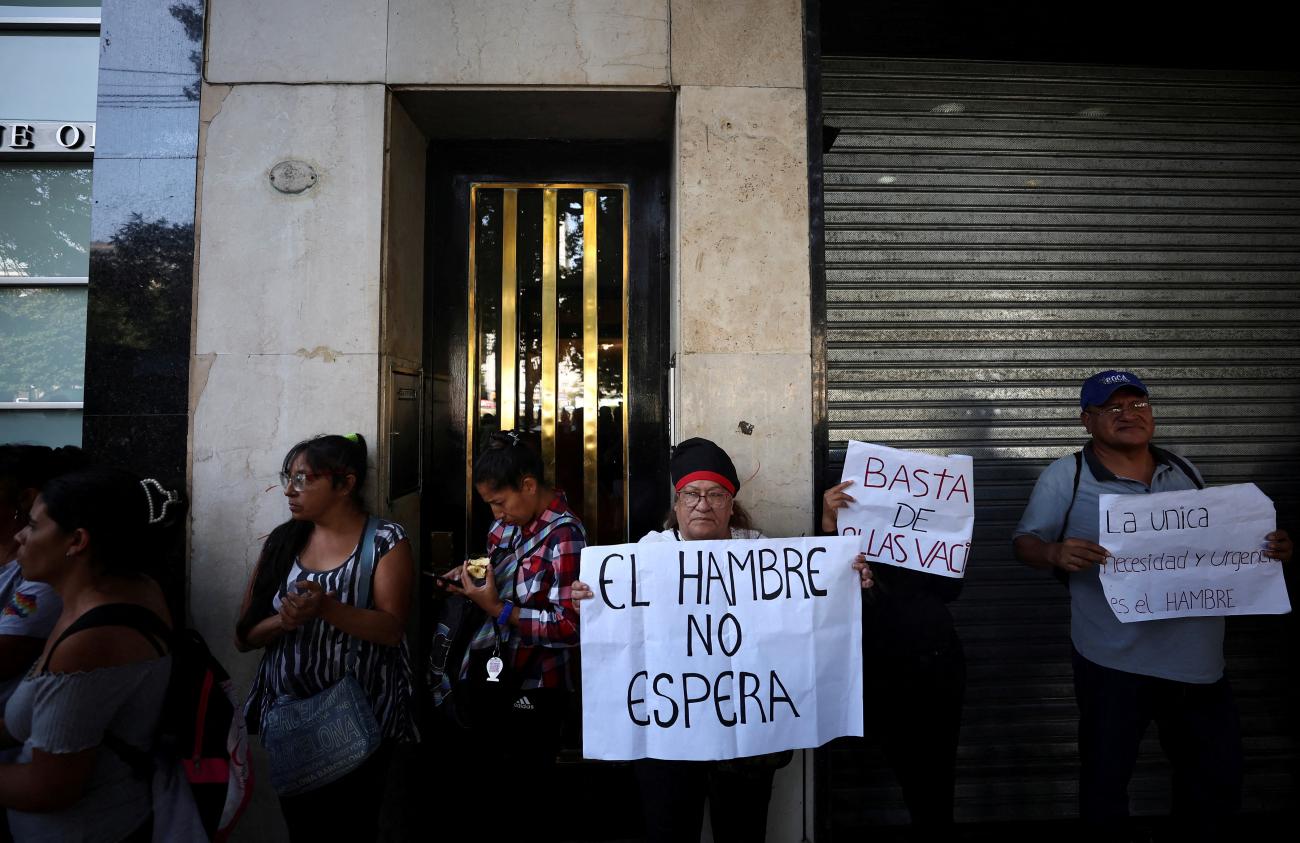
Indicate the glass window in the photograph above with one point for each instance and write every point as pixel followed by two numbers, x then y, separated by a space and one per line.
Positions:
pixel 60 11
pixel 49 64
pixel 43 334
pixel 549 292
pixel 42 427
pixel 48 75
pixel 44 219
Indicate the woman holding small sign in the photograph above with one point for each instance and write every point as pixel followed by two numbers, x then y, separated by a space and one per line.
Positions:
pixel 912 657
pixel 738 790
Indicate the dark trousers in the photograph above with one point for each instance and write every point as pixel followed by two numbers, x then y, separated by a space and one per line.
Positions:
pixel 1199 733
pixel 474 778
pixel 345 809
pixel 913 707
pixel 673 795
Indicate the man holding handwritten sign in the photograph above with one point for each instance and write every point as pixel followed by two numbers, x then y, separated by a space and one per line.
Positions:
pixel 913 513
pixel 1128 674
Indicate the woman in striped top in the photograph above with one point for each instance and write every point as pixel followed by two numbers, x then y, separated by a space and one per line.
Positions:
pixel 301 607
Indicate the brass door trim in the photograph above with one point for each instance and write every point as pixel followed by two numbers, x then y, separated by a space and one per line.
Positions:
pixel 590 357
pixel 508 398
pixel 549 223
pixel 508 391
pixel 471 361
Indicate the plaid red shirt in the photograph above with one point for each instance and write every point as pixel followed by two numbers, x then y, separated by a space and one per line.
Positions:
pixel 547 628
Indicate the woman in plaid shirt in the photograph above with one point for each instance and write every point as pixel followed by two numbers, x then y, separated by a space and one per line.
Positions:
pixel 526 641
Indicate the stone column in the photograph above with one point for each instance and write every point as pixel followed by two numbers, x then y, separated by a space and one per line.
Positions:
pixel 741 320
pixel 742 329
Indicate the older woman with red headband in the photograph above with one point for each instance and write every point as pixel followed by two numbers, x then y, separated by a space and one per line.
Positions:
pixel 738 790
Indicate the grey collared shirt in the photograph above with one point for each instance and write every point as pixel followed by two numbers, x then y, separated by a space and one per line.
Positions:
pixel 1181 649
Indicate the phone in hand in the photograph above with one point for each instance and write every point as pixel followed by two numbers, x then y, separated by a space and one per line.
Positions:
pixel 443 582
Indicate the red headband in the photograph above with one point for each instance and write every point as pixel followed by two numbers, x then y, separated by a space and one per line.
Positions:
pixel 706 475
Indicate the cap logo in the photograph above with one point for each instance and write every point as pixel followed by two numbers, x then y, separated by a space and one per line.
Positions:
pixel 1115 379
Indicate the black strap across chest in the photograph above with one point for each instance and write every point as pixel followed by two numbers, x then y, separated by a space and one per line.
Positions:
pixel 1174 460
pixel 128 615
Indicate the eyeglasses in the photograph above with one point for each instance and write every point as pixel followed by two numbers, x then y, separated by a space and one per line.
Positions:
pixel 299 479
pixel 716 498
pixel 1114 411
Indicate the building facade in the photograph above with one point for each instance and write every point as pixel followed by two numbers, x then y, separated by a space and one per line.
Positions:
pixel 620 224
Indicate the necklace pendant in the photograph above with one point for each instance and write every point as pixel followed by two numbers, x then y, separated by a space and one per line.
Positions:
pixel 494 668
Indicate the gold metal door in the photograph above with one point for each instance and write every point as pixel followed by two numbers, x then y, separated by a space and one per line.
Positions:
pixel 547 350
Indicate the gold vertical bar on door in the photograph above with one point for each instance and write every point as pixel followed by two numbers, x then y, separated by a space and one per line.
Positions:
pixel 626 388
pixel 507 392
pixel 590 358
pixel 471 363
pixel 549 223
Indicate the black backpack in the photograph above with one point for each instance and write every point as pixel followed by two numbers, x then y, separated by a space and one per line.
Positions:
pixel 458 620
pixel 469 701
pixel 201 725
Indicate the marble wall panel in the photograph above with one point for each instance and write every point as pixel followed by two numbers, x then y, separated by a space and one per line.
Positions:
pixel 787 810
pixel 284 273
pixel 403 316
pixel 297 40
pixel 743 43
pixel 742 220
pixel 402 320
pixel 248 410
pixel 528 42
pixel 771 392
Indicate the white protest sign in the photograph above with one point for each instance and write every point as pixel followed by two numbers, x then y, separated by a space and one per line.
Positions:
pixel 910 509
pixel 705 650
pixel 1190 554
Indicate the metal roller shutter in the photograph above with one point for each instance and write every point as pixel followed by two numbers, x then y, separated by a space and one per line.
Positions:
pixel 994 234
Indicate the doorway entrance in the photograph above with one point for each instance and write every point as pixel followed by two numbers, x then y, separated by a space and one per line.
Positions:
pixel 547 314
pixel 547 338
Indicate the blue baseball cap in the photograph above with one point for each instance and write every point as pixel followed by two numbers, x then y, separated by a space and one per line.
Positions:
pixel 1102 386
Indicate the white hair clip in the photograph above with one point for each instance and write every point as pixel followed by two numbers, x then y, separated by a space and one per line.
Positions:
pixel 168 498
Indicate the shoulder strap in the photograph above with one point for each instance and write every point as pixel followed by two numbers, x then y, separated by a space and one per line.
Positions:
pixel 518 546
pixel 367 561
pixel 129 615
pixel 1074 493
pixel 365 573
pixel 1181 465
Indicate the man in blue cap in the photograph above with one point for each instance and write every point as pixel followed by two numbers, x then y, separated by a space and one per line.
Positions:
pixel 1126 675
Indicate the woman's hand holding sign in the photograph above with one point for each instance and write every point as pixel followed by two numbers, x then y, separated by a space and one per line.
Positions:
pixel 864 571
pixel 835 498
pixel 578 592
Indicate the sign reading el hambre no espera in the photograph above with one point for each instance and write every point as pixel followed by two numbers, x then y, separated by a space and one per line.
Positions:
pixel 708 650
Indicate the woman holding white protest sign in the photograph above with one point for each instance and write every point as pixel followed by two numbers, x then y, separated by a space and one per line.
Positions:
pixel 911 655
pixel 738 790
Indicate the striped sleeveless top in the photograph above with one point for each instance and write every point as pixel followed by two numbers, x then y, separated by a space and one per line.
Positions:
pixel 309 659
